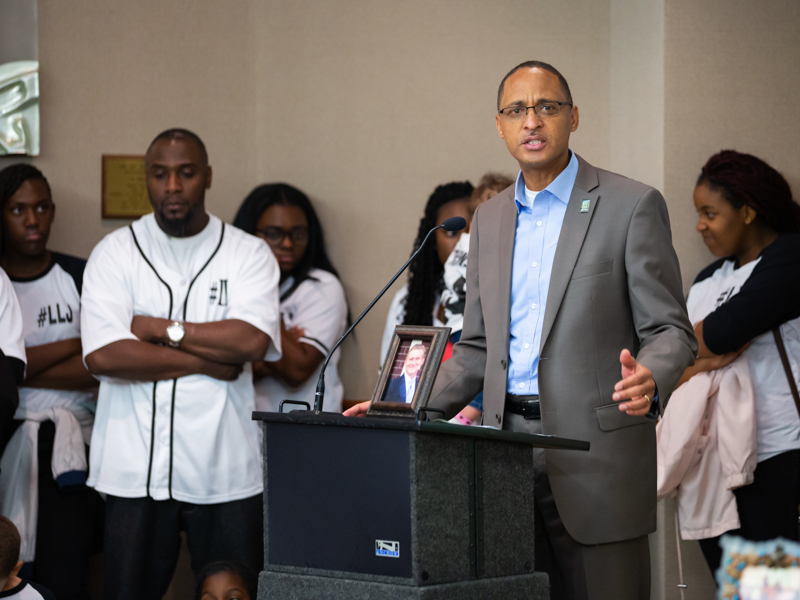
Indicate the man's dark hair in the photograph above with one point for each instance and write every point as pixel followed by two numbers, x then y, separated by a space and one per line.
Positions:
pixel 270 194
pixel 228 566
pixel 535 64
pixel 9 546
pixel 11 179
pixel 746 179
pixel 426 273
pixel 180 134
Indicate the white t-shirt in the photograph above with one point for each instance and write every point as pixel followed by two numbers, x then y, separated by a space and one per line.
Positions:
pixel 395 317
pixel 51 312
pixel 318 306
pixel 12 342
pixel 26 591
pixel 777 421
pixel 192 439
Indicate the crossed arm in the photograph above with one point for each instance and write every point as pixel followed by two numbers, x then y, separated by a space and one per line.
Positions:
pixel 57 366
pixel 217 349
pixel 297 363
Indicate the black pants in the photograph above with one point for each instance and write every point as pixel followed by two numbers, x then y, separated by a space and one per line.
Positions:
pixel 143 541
pixel 69 528
pixel 768 507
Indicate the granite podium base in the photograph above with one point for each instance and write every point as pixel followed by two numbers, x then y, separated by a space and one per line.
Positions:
pixel 396 509
pixel 289 586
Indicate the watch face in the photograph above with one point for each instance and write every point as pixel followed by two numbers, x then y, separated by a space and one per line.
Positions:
pixel 175 332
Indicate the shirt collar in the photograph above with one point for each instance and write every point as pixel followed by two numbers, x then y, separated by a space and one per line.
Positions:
pixel 560 187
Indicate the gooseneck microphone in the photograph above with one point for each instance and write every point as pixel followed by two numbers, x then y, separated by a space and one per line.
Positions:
pixel 451 224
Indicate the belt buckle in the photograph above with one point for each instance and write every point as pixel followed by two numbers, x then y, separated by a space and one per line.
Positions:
pixel 531 411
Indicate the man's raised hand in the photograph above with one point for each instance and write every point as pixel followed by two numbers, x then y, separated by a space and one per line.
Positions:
pixel 637 382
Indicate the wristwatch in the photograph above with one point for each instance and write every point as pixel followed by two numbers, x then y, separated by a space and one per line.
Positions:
pixel 175 333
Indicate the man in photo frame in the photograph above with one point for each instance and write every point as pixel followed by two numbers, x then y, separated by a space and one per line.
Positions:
pixel 403 387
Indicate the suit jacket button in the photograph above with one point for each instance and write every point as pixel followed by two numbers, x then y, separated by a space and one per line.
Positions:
pixel 497 417
pixel 503 364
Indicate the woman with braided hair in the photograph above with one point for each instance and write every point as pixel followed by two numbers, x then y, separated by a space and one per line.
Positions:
pixel 417 302
pixel 746 303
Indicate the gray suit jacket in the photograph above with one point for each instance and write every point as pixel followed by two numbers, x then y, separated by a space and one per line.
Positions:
pixel 615 284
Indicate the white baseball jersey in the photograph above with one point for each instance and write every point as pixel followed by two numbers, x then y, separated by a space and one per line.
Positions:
pixel 51 312
pixel 318 306
pixel 11 340
pixel 192 438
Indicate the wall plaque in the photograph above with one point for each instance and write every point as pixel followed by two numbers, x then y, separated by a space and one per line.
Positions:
pixel 124 187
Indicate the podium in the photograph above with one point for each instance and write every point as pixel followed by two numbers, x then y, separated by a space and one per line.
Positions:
pixel 397 509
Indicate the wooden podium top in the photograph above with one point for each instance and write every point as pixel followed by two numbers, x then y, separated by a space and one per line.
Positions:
pixel 408 424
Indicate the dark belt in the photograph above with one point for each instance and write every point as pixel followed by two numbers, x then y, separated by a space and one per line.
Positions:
pixel 527 406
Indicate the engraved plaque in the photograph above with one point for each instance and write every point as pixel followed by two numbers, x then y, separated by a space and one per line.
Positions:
pixel 124 187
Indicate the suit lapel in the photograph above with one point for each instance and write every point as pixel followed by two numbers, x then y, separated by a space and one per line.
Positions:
pixel 570 240
pixel 505 256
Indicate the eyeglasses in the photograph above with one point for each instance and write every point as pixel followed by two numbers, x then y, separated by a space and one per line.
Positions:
pixel 276 235
pixel 551 108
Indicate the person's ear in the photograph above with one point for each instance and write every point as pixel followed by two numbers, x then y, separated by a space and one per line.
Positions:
pixel 574 119
pixel 16 569
pixel 499 127
pixel 748 214
pixel 208 177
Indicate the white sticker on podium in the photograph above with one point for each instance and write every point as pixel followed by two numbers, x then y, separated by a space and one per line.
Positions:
pixel 387 548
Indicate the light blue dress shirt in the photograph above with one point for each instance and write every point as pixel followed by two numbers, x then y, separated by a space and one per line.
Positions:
pixel 538 228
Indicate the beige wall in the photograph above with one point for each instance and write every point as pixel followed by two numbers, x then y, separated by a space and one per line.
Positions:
pixel 366 106
pixel 114 74
pixel 732 81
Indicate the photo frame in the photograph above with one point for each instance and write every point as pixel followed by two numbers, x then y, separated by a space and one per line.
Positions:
pixel 416 351
pixel 124 191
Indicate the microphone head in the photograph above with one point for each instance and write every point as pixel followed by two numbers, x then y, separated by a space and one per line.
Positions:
pixel 454 224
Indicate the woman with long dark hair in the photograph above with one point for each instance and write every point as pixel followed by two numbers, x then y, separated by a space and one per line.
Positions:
pixel 313 304
pixel 743 304
pixel 417 302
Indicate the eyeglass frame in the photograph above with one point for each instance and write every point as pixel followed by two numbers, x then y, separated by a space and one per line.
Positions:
pixel 284 234
pixel 501 112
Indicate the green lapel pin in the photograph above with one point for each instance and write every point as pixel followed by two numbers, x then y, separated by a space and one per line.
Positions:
pixel 585 205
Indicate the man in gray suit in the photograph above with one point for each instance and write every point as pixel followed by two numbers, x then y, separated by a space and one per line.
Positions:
pixel 575 322
pixel 571 275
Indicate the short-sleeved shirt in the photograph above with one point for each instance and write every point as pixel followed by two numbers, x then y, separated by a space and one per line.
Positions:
pixel 12 342
pixel 318 306
pixel 51 312
pixel 192 438
pixel 28 590
pixel 743 304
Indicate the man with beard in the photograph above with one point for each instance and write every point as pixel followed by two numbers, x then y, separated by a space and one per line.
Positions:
pixel 175 308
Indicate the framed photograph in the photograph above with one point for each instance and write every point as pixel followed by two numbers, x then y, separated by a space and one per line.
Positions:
pixel 124 187
pixel 409 371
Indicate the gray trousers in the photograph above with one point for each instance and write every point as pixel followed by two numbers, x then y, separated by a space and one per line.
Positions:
pixel 616 571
